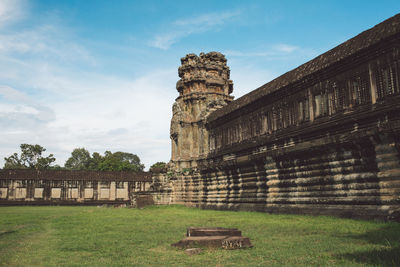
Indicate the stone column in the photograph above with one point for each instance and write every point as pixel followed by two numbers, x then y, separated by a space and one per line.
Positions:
pixel 112 190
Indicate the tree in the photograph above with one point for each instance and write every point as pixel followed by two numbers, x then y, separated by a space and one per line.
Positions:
pixel 31 158
pixel 95 161
pixel 56 167
pixel 158 165
pixel 120 161
pixel 80 159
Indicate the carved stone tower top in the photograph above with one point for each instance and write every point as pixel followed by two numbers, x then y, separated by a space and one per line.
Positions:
pixel 204 74
pixel 204 87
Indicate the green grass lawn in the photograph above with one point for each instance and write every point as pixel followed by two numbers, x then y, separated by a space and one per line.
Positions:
pixel 94 236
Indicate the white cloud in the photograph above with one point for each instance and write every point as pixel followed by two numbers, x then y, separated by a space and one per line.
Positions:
pixel 20 107
pixel 48 41
pixel 166 40
pixel 11 94
pixel 286 48
pixel 11 11
pixel 269 51
pixel 51 94
pixel 104 113
pixel 185 27
pixel 207 20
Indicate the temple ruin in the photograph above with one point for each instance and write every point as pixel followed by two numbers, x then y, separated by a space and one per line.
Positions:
pixel 68 187
pixel 321 139
pixel 203 88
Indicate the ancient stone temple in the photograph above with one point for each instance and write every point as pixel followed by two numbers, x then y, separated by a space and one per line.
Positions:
pixel 204 87
pixel 323 138
pixel 72 187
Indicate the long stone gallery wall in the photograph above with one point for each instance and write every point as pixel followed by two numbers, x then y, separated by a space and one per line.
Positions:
pixel 65 187
pixel 323 138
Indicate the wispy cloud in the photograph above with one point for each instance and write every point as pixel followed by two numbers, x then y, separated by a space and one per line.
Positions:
pixel 164 41
pixel 185 27
pixel 269 51
pixel 208 20
pixel 11 11
pixel 286 48
pixel 48 41
pixel 18 110
pixel 52 94
pixel 99 112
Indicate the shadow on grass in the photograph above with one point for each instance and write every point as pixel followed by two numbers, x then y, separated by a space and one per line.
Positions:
pixel 7 232
pixel 12 231
pixel 388 237
pixel 382 257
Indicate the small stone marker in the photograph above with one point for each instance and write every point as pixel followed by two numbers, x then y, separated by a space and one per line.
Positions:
pixel 217 237
pixel 216 231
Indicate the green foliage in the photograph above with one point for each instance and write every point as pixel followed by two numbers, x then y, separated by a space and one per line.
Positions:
pixel 80 159
pixel 119 161
pixel 187 171
pixel 158 165
pixel 56 167
pixel 30 158
pixel 92 236
pixel 95 161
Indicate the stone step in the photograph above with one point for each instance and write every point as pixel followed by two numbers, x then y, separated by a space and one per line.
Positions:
pixel 236 242
pixel 226 242
pixel 213 231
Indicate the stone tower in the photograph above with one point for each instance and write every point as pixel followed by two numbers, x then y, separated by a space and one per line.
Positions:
pixel 204 87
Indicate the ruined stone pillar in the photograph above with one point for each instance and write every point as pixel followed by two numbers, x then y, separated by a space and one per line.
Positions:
pixel 204 87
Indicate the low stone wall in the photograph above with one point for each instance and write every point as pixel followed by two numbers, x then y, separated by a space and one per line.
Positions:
pixel 62 187
pixel 162 187
pixel 359 178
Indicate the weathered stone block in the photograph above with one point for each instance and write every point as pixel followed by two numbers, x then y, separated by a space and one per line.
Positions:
pixel 225 242
pixel 73 193
pixel 20 193
pixel 88 193
pixel 204 241
pixel 56 193
pixel 214 237
pixel 3 193
pixel 122 193
pixel 38 193
pixel 236 242
pixel 216 231
pixel 144 200
pixel 104 193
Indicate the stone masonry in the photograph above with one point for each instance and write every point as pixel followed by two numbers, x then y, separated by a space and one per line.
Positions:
pixel 69 187
pixel 323 138
pixel 204 87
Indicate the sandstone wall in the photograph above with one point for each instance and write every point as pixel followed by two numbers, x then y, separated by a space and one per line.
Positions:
pixel 162 187
pixel 321 139
pixel 204 87
pixel 54 187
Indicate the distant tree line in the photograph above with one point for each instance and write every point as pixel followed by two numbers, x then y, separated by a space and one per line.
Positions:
pixel 31 157
pixel 119 161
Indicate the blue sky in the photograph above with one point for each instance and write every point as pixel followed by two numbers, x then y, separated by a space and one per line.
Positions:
pixel 102 74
